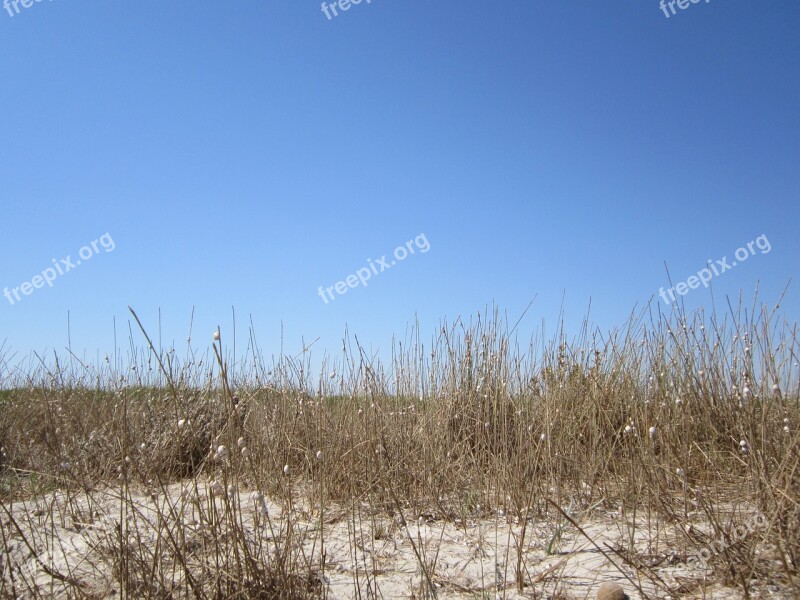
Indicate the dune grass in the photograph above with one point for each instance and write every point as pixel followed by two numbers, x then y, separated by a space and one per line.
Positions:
pixel 686 423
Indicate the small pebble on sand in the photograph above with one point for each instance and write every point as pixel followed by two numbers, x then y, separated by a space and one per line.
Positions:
pixel 611 591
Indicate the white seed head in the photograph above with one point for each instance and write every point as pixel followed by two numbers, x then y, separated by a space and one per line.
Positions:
pixel 680 472
pixel 181 422
pixel 652 431
pixel 143 446
pixel 776 389
pixel 216 335
pixel 786 428
pixel 543 437
pixel 319 455
pixel 231 490
pixel 240 442
pixel 245 452
pixel 285 469
pixel 628 429
pixel 222 451
pixel 701 373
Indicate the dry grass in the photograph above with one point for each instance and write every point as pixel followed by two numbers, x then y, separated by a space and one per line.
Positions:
pixel 468 428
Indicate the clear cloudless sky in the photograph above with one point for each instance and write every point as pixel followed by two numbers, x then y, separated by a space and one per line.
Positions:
pixel 243 153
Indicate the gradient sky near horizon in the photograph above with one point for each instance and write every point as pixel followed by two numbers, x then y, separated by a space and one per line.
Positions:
pixel 242 154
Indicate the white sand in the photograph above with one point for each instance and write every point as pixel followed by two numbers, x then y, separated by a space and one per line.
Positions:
pixel 76 537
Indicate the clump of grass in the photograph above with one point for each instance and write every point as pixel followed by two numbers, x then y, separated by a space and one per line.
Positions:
pixel 649 418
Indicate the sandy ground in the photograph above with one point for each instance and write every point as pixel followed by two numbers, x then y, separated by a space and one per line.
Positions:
pixel 74 536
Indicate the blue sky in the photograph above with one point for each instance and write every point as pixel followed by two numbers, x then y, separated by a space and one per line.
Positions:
pixel 242 154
